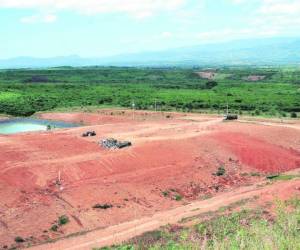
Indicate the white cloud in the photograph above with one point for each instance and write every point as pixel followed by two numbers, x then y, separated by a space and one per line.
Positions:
pixel 48 18
pixel 231 34
pixel 224 34
pixel 136 8
pixel 166 34
pixel 280 7
pixel 238 1
pixel 28 19
pixel 283 15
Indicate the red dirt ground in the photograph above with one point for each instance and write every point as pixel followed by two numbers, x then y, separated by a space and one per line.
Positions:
pixel 171 152
pixel 250 197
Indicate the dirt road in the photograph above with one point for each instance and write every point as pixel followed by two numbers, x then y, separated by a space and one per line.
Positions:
pixel 125 231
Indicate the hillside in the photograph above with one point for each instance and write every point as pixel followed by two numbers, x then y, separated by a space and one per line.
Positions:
pixel 273 51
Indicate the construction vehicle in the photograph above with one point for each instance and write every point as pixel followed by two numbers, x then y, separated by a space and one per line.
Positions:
pixel 230 117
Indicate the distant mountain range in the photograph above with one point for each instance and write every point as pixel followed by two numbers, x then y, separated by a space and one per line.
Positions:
pixel 271 51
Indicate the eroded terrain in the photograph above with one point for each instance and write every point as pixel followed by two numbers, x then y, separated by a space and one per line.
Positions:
pixel 175 159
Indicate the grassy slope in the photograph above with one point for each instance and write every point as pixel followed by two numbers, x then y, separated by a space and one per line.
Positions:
pixel 245 229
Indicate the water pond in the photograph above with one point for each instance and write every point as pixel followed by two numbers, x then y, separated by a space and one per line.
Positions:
pixel 19 125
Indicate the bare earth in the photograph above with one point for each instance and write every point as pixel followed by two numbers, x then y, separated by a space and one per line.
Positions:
pixel 177 152
pixel 125 231
pixel 210 75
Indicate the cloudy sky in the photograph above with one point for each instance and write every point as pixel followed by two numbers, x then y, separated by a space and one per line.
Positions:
pixel 96 28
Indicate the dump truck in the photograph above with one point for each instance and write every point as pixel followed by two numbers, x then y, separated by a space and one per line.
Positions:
pixel 89 133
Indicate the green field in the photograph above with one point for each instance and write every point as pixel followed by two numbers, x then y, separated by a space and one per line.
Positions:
pixel 24 92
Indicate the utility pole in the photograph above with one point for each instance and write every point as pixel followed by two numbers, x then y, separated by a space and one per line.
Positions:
pixel 227 110
pixel 58 181
pixel 227 106
pixel 133 108
pixel 155 104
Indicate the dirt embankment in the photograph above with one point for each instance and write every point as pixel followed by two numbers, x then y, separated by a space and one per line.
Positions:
pixel 210 75
pixel 123 232
pixel 175 159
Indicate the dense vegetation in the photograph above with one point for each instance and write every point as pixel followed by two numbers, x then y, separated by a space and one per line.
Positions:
pixel 24 92
pixel 247 229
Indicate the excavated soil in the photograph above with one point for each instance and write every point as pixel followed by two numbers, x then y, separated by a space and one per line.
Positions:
pixel 174 160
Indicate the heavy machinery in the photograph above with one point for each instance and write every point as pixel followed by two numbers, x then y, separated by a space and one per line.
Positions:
pixel 230 117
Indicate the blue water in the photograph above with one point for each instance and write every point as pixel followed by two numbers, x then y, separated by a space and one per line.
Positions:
pixel 19 125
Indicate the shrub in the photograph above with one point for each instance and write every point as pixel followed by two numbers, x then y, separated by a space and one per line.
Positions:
pixel 257 112
pixel 273 176
pixel 103 206
pixel 294 115
pixel 37 79
pixel 165 193
pixel 19 239
pixel 283 114
pixel 62 220
pixel 178 197
pixel 221 171
pixel 210 84
pixel 54 228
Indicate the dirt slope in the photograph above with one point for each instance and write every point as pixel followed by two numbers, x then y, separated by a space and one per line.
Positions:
pixel 173 155
pixel 125 231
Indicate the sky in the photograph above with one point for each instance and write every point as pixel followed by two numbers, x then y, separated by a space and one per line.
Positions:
pixel 100 28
